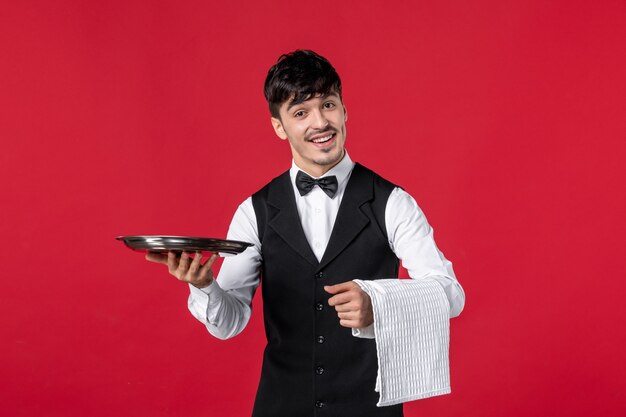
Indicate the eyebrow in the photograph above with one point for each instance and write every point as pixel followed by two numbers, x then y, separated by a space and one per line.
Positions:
pixel 331 94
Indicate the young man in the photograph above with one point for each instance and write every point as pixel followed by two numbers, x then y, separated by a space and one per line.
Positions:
pixel 315 228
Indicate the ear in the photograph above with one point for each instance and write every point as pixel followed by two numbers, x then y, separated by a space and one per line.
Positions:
pixel 278 128
pixel 345 114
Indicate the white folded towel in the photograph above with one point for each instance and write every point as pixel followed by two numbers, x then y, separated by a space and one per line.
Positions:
pixel 412 330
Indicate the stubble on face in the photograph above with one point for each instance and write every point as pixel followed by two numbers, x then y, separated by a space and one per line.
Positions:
pixel 323 159
pixel 330 158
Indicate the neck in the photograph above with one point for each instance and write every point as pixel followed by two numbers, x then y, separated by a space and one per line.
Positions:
pixel 316 170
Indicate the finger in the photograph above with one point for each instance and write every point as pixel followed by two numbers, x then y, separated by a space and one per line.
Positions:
pixel 342 308
pixel 341 298
pixel 183 264
pixel 205 270
pixel 350 315
pixel 159 258
pixel 209 263
pixel 352 324
pixel 172 262
pixel 339 288
pixel 195 264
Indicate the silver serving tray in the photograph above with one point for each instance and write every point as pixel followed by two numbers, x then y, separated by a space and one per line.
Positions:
pixel 183 243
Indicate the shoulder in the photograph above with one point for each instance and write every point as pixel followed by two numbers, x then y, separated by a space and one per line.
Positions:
pixel 276 186
pixel 272 194
pixel 377 180
pixel 265 190
pixel 402 202
pixel 404 216
pixel 379 188
pixel 243 226
pixel 246 209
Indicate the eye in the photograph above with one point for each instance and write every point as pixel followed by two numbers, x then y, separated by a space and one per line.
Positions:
pixel 329 105
pixel 299 113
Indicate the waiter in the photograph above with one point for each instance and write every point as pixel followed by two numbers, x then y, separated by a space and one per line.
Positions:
pixel 315 228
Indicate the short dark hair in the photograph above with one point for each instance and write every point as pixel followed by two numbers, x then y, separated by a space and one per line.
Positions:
pixel 298 76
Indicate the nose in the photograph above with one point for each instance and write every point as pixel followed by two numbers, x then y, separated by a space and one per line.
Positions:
pixel 318 120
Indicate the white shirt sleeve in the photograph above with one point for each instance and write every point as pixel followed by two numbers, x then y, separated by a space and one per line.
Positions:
pixel 225 306
pixel 411 239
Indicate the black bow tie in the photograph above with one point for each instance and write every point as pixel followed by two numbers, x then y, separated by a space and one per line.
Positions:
pixel 304 183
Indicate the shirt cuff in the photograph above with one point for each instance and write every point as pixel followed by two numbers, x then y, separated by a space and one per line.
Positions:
pixel 210 300
pixel 365 332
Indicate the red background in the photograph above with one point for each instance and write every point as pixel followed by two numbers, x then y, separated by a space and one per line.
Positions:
pixel 506 121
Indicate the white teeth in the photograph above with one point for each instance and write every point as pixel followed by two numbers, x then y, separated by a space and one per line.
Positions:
pixel 324 139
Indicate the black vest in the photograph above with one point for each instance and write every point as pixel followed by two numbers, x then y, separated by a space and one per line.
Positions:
pixel 312 366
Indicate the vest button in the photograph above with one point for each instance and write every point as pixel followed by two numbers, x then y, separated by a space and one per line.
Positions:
pixel 319 370
pixel 319 275
pixel 319 404
pixel 319 306
pixel 320 339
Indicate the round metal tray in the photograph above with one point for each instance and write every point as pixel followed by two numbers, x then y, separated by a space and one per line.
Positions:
pixel 157 243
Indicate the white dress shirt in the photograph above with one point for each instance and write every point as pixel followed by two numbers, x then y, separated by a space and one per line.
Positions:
pixel 224 307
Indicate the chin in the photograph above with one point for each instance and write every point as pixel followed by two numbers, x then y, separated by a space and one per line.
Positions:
pixel 329 159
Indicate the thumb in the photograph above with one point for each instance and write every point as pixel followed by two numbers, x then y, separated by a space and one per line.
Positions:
pixel 156 257
pixel 338 288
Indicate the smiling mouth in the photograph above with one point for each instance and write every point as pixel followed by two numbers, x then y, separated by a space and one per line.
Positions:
pixel 323 139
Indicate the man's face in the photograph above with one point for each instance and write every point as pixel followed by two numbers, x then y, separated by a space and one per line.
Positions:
pixel 316 130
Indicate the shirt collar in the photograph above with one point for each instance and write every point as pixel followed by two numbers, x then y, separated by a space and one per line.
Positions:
pixel 342 170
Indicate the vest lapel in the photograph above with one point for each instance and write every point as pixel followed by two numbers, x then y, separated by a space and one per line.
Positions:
pixel 350 218
pixel 285 221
